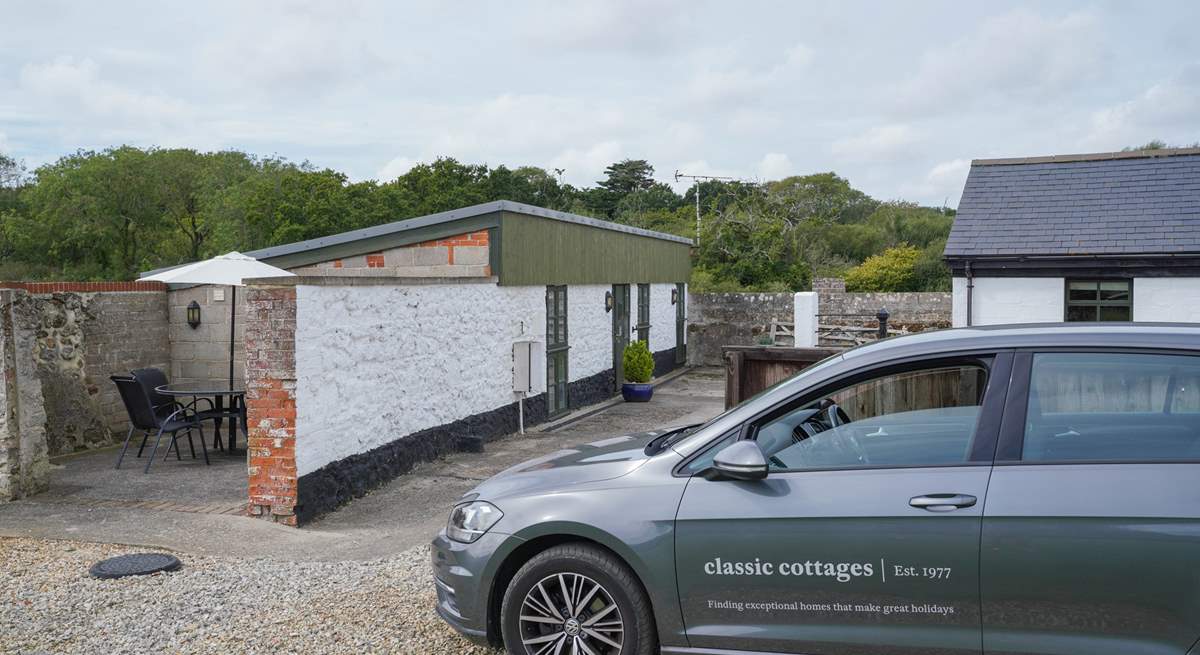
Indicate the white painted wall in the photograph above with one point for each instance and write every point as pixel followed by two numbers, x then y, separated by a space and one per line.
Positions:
pixel 1170 299
pixel 998 300
pixel 589 330
pixel 376 363
pixel 662 317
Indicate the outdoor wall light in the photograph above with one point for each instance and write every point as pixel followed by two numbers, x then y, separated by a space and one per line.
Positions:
pixel 674 296
pixel 609 301
pixel 193 314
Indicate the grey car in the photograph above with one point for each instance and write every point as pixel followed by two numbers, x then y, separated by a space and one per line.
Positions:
pixel 1021 489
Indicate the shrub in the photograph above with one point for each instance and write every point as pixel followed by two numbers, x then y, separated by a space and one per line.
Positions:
pixel 638 363
pixel 892 270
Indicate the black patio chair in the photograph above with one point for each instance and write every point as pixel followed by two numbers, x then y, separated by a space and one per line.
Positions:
pixel 144 417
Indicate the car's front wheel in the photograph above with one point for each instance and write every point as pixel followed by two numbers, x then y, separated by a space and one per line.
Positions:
pixel 576 598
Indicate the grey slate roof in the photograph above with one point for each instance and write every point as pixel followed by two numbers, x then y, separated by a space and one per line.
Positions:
pixel 1126 203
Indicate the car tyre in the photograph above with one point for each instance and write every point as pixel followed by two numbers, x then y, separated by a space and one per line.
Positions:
pixel 572 570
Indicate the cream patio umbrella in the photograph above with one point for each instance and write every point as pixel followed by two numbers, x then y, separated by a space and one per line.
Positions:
pixel 228 269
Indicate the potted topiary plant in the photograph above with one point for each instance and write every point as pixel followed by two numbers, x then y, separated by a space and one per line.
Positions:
pixel 639 366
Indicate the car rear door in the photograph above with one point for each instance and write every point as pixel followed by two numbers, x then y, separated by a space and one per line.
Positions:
pixel 1091 530
pixel 864 537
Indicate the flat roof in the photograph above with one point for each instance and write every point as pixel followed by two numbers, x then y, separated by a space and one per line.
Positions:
pixel 455 215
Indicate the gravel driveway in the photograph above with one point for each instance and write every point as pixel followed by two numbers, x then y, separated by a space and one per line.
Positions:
pixel 48 604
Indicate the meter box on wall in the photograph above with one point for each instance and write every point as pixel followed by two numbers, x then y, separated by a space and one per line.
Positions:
pixel 528 366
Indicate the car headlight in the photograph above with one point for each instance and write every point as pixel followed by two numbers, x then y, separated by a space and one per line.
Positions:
pixel 469 521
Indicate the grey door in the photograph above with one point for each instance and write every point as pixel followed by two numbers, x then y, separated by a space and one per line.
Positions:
pixel 620 330
pixel 864 538
pixel 1091 535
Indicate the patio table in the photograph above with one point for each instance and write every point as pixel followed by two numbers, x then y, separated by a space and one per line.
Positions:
pixel 218 390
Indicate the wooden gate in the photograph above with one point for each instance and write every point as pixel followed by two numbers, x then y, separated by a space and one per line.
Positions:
pixel 750 369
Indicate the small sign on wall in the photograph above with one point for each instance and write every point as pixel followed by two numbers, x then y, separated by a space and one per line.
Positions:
pixel 218 294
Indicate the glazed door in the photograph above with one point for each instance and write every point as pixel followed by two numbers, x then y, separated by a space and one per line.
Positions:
pixel 620 331
pixel 557 348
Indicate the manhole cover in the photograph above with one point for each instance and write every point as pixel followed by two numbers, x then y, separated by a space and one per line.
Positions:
pixel 135 564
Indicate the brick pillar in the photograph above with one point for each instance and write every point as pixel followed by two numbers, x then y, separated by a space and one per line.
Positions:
pixel 271 401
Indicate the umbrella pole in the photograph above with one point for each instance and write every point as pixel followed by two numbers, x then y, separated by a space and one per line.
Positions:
pixel 232 322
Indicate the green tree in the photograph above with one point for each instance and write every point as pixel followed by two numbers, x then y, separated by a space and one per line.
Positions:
pixel 892 270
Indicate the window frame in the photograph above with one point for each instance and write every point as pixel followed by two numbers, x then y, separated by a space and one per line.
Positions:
pixel 997 363
pixel 1011 441
pixel 558 349
pixel 1096 304
pixel 643 313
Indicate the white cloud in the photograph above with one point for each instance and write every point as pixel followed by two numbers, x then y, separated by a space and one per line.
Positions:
pixel 943 183
pixel 775 166
pixel 68 85
pixel 645 27
pixel 883 141
pixel 1166 110
pixel 725 80
pixel 395 168
pixel 1017 53
pixel 586 165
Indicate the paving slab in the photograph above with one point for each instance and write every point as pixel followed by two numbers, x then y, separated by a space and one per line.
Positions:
pixel 87 503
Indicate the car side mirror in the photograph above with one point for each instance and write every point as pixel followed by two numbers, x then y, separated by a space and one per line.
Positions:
pixel 741 460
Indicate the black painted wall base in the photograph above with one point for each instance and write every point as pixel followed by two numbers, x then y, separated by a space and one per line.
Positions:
pixel 337 483
pixel 664 362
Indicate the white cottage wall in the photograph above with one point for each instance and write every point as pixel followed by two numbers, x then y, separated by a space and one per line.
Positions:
pixel 589 329
pixel 1170 299
pixel 377 363
pixel 662 318
pixel 999 300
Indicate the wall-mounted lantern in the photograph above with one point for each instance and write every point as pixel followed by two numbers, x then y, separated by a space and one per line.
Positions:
pixel 674 296
pixel 193 314
pixel 609 301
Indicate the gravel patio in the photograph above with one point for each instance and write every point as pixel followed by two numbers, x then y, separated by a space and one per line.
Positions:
pixel 357 581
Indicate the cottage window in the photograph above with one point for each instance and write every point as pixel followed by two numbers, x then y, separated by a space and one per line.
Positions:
pixel 1099 300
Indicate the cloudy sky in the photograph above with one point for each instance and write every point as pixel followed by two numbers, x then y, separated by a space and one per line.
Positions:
pixel 896 96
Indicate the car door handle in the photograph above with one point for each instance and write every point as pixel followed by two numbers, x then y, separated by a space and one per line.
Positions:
pixel 942 502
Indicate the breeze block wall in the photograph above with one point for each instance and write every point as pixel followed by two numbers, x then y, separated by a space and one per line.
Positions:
pixel 270 344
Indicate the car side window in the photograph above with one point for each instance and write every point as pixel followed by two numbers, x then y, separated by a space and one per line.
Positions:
pixel 924 417
pixel 1112 407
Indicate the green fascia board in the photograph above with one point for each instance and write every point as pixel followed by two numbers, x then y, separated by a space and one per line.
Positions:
pixel 381 242
pixel 540 251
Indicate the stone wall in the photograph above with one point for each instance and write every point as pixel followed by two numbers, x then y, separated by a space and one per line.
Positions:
pixel 84 333
pixel 716 320
pixel 731 319
pixel 914 311
pixel 24 463
pixel 83 338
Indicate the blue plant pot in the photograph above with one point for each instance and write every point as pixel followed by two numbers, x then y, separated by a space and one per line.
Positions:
pixel 635 392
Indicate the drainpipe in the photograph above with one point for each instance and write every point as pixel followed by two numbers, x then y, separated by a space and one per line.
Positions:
pixel 970 290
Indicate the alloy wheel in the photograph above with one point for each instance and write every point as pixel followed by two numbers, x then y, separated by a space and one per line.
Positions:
pixel 570 614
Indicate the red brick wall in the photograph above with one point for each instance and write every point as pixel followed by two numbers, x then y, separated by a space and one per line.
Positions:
pixel 271 401
pixel 83 287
